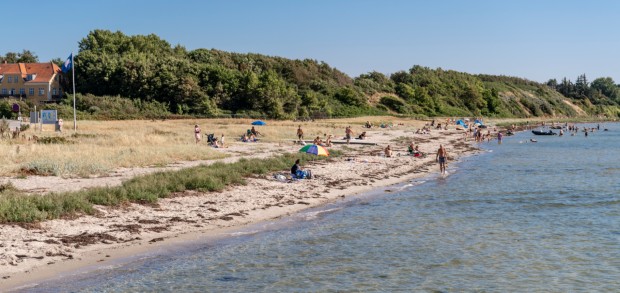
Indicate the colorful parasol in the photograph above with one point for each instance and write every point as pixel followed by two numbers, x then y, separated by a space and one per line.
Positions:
pixel 315 150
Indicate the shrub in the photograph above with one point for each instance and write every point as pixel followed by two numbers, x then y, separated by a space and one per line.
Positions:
pixel 395 104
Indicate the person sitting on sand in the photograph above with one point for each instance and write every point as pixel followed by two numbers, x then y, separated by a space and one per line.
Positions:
pixel 411 148
pixel 255 132
pixel 297 172
pixel 388 151
pixel 215 143
pixel 328 141
pixel 362 135
pixel 245 138
pixel 417 152
pixel 368 124
pixel 317 141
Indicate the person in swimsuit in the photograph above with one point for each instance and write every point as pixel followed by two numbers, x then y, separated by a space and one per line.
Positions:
pixel 388 152
pixel 300 134
pixel 442 157
pixel 347 133
pixel 197 133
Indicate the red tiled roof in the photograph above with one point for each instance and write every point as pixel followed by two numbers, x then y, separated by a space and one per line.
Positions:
pixel 9 68
pixel 44 71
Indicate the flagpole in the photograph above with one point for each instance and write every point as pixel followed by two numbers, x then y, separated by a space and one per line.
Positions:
pixel 73 73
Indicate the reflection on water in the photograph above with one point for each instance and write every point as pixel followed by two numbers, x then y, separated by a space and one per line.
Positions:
pixel 523 217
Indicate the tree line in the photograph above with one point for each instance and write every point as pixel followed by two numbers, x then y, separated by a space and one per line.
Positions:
pixel 602 90
pixel 148 74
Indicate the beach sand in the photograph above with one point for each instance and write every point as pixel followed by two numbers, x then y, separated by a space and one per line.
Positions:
pixel 34 252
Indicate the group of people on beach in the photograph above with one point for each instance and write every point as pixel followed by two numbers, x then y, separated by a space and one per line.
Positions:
pixel 211 139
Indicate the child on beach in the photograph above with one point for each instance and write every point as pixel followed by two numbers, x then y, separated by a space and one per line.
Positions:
pixel 197 133
pixel 388 151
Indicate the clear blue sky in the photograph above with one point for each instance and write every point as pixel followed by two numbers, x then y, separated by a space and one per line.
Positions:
pixel 534 39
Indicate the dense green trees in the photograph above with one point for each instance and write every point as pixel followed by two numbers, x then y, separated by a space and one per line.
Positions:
pixel 24 57
pixel 146 73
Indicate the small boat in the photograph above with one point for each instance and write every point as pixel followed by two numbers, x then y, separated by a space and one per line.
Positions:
pixel 540 132
pixel 533 140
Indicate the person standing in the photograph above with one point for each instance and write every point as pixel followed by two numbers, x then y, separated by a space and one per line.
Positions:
pixel 499 137
pixel 197 134
pixel 347 133
pixel 300 134
pixel 442 157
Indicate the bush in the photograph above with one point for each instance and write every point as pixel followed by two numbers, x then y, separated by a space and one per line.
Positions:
pixel 395 104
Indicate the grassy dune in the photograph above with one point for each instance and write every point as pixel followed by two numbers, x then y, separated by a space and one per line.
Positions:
pixel 99 147
pixel 17 207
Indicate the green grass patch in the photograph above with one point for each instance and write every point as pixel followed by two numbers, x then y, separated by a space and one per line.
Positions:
pixel 18 207
pixel 54 140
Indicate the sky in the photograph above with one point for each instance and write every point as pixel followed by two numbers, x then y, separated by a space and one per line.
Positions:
pixel 532 39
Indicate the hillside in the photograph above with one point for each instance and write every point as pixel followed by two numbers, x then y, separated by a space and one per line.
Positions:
pixel 127 77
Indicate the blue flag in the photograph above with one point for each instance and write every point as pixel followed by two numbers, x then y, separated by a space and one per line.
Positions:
pixel 68 64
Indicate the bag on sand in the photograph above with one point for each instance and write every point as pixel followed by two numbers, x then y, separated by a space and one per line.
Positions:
pixel 309 174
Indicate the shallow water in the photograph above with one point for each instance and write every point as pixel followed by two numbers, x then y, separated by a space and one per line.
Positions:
pixel 523 216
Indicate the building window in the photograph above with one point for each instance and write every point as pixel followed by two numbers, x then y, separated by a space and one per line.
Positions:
pixel 10 80
pixel 12 92
pixel 4 91
pixel 54 91
pixel 31 91
pixel 22 91
pixel 41 91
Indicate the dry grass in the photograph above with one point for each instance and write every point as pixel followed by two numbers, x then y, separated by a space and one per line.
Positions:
pixel 102 146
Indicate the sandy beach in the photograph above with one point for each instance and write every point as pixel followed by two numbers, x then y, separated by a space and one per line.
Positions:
pixel 33 252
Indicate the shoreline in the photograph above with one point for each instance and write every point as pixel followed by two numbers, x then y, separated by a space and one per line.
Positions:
pixel 119 234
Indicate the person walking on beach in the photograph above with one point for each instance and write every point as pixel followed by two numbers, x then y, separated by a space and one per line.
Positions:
pixel 347 133
pixel 300 134
pixel 442 157
pixel 197 133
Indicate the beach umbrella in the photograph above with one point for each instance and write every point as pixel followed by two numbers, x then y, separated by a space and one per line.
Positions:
pixel 259 122
pixel 315 150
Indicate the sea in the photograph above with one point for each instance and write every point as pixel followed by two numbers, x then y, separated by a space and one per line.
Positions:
pixel 521 216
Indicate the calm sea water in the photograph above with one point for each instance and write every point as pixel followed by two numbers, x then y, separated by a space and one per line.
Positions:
pixel 524 217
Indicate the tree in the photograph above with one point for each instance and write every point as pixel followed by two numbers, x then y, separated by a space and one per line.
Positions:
pixel 582 89
pixel 27 57
pixel 607 87
pixel 10 57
